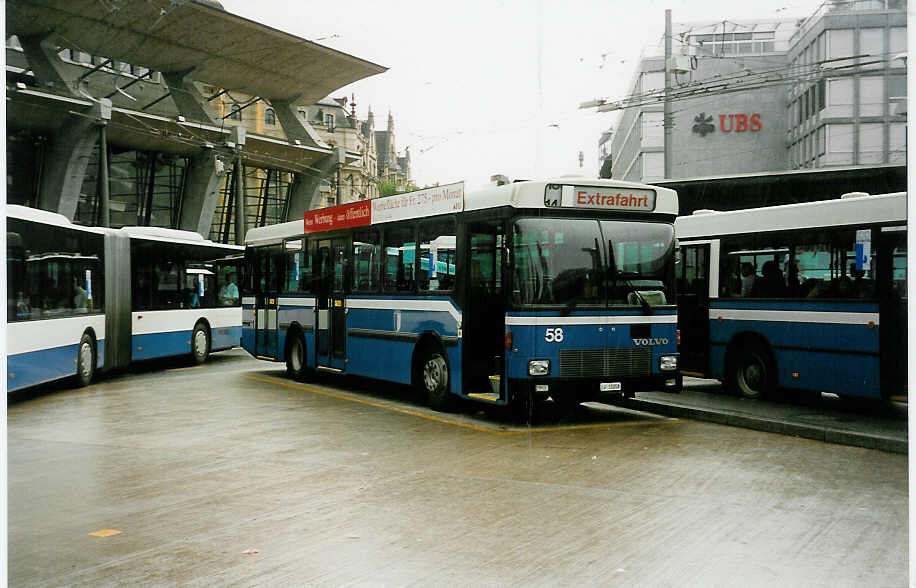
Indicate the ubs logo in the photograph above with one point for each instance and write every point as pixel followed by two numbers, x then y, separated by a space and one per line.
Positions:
pixel 647 342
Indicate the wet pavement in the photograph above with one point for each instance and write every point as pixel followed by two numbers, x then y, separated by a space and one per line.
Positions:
pixel 229 474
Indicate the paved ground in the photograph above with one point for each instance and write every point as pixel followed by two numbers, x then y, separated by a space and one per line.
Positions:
pixel 190 470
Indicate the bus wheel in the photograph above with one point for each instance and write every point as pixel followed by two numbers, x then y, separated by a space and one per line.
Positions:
pixel 200 343
pixel 752 372
pixel 434 381
pixel 296 365
pixel 85 361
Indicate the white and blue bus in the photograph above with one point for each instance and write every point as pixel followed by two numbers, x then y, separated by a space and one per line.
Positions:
pixel 806 297
pixel 535 289
pixel 81 299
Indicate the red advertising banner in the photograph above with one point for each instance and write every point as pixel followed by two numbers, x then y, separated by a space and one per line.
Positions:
pixel 355 214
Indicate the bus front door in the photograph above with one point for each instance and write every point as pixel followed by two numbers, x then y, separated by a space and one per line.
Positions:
pixel 269 267
pixel 332 304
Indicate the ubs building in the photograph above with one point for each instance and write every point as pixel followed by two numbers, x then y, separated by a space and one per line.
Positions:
pixel 769 95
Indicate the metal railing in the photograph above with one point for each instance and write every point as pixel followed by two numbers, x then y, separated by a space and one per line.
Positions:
pixel 846 7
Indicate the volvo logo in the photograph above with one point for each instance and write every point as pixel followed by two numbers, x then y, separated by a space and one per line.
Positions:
pixel 650 342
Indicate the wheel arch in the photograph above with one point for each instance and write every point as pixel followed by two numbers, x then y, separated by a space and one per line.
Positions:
pixel 202 321
pixel 292 331
pixel 429 342
pixel 747 339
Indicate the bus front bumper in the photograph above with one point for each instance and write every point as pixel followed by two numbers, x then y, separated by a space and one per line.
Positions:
pixel 584 390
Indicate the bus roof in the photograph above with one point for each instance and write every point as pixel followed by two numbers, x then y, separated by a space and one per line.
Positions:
pixel 857 210
pixel 175 236
pixel 46 217
pixel 565 193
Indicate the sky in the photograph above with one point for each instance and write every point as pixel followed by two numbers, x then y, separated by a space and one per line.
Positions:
pixel 484 87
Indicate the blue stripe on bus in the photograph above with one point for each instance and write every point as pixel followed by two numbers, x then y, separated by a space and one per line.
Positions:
pixel 160 345
pixel 838 358
pixel 225 337
pixel 46 365
pixel 38 367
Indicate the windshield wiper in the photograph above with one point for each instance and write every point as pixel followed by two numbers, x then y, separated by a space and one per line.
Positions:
pixel 625 278
pixel 646 307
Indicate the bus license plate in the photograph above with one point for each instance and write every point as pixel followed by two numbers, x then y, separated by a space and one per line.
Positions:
pixel 610 387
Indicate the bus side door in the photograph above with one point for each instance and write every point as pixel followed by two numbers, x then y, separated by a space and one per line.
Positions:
pixel 269 266
pixel 331 342
pixel 892 298
pixel 693 307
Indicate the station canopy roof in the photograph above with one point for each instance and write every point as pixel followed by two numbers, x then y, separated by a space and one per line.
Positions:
pixel 215 46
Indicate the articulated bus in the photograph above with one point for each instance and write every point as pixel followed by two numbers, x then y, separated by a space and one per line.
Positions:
pixel 807 297
pixel 81 299
pixel 557 289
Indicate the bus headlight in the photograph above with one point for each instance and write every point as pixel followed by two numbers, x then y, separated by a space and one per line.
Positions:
pixel 667 363
pixel 538 367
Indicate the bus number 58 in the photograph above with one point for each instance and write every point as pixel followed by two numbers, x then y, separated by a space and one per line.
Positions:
pixel 553 335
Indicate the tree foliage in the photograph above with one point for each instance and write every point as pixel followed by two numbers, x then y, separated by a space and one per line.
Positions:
pixel 389 188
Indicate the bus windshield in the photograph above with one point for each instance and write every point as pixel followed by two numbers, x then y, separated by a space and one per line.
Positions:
pixel 585 262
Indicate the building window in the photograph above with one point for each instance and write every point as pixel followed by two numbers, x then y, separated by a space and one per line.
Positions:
pixel 839 44
pixel 653 166
pixel 871 96
pixel 897 41
pixel 897 143
pixel 329 122
pixel 839 144
pixel 269 117
pixel 871 142
pixel 839 97
pixel 652 81
pixel 871 43
pixel 653 131
pixel 236 112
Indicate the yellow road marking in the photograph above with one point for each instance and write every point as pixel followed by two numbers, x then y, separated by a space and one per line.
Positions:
pixel 446 420
pixel 193 367
pixel 105 533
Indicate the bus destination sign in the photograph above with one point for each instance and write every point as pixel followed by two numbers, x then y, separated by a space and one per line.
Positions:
pixel 599 198
pixel 422 203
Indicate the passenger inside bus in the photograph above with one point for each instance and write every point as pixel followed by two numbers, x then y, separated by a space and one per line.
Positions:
pixel 80 299
pixel 772 284
pixel 229 292
pixel 748 275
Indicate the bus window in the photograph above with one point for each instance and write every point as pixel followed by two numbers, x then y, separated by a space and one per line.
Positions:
pixel 298 277
pixel 52 272
pixel 400 257
pixel 436 271
pixel 366 260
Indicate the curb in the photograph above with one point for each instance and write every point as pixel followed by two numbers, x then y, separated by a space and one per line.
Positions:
pixel 825 434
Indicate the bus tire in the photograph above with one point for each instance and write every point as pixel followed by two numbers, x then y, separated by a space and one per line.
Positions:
pixel 85 361
pixel 296 364
pixel 433 381
pixel 752 372
pixel 200 343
